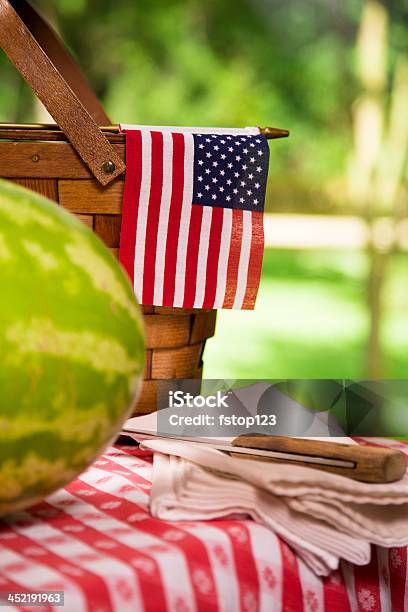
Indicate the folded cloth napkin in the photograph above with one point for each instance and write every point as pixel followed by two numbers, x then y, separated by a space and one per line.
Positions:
pixel 324 517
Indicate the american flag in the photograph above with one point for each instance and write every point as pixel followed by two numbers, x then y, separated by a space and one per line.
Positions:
pixel 192 220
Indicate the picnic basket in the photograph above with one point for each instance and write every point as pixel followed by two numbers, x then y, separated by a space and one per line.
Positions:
pixel 81 165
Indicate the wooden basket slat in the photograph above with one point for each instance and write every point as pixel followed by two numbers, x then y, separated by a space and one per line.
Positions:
pixel 167 331
pixel 46 187
pixel 78 196
pixel 177 363
pixel 31 133
pixel 203 326
pixel 56 160
pixel 147 374
pixel 176 311
pixel 108 229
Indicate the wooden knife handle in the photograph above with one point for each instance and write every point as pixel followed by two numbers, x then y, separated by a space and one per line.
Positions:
pixel 369 463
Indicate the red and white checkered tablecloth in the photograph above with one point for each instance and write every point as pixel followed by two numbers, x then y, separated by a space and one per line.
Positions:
pixel 96 541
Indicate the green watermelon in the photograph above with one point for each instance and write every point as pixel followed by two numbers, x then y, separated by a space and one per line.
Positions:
pixel 71 347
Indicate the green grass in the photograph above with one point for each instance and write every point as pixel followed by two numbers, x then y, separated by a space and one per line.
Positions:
pixel 311 320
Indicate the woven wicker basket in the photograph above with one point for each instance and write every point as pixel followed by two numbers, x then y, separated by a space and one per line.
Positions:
pixel 81 166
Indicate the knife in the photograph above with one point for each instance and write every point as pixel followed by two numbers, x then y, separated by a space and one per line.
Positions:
pixel 363 463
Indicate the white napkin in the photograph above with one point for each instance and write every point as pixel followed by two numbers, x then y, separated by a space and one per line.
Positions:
pixel 324 517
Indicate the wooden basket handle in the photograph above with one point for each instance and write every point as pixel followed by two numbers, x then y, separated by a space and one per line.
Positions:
pixel 48 68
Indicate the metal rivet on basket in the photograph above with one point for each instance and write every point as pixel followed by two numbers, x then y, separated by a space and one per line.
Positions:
pixel 35 158
pixel 108 167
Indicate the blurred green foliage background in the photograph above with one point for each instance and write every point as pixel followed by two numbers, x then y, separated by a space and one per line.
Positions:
pixel 334 72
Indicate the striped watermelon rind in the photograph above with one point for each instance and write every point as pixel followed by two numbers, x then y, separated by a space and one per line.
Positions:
pixel 71 347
